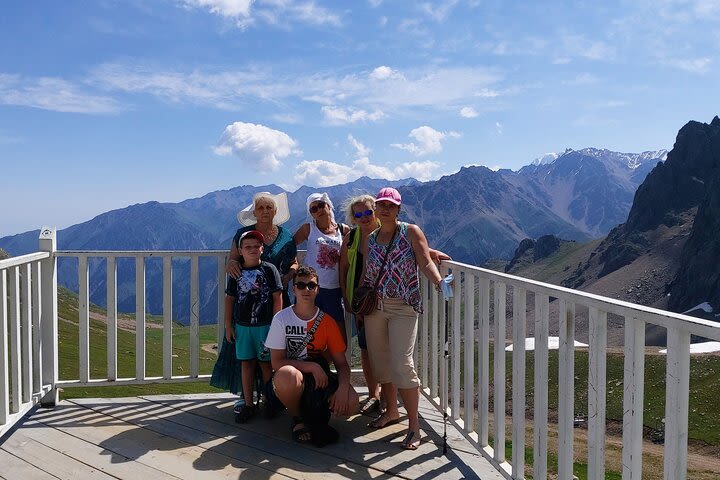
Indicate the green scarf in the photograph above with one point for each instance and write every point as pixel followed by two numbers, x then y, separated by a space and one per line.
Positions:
pixel 352 263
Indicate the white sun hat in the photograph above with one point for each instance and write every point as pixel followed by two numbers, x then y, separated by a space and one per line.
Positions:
pixel 282 214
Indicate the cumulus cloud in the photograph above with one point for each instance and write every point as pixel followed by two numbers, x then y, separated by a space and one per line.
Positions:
pixel 468 112
pixel 438 11
pixel 323 173
pixel 427 140
pixel 256 145
pixel 247 12
pixel 338 115
pixel 499 128
pixel 53 94
pixel 383 73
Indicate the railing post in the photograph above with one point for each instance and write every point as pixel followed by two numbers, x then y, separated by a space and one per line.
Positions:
pixel 566 388
pixel 518 382
pixel 49 319
pixel 597 393
pixel 633 394
pixel 540 415
pixel 677 388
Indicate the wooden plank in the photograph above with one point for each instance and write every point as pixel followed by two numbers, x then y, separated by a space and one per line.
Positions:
pixel 194 317
pixel 566 388
pixel 360 450
pixel 112 318
pixel 14 467
pixel 434 343
pixel 518 362
pixel 208 425
pixel 444 352
pixel 167 318
pixel 26 334
pixel 633 395
pixel 83 320
pixel 677 389
pixel 49 319
pixel 221 279
pixel 36 334
pixel 14 344
pixel 139 317
pixel 469 352
pixel 124 439
pixel 424 334
pixel 88 453
pixel 540 415
pixel 597 394
pixel 456 342
pixel 4 354
pixel 484 363
pixel 49 459
pixel 499 371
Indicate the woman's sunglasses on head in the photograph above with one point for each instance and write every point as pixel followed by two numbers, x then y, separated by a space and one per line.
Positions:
pixel 306 286
pixel 318 206
pixel 366 213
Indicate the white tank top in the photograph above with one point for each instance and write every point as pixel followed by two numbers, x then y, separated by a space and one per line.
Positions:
pixel 323 254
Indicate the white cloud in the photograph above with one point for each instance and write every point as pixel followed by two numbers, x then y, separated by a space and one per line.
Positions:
pixel 53 94
pixel 256 145
pixel 693 65
pixel 499 128
pixel 440 11
pixel 273 12
pixel 337 115
pixel 322 173
pixel 380 90
pixel 427 140
pixel 362 150
pixel 581 79
pixel 383 73
pixel 468 112
pixel 375 3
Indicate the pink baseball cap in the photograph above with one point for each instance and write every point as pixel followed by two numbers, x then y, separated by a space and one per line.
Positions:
pixel 389 194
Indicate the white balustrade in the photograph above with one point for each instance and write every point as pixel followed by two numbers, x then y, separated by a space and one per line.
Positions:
pixel 29 353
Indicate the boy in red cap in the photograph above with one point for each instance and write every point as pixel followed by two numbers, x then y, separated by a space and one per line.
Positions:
pixel 251 301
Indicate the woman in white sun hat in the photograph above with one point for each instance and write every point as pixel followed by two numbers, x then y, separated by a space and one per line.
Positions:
pixel 265 214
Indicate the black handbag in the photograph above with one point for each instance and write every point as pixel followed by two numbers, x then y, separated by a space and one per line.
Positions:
pixel 365 299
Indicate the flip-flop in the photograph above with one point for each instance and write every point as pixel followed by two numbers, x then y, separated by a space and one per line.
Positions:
pixel 372 404
pixel 411 441
pixel 378 423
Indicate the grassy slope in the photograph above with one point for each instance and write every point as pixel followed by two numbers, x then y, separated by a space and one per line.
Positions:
pixel 68 336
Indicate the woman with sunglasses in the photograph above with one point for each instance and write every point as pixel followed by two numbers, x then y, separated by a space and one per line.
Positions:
pixel 324 238
pixel 360 213
pixel 391 330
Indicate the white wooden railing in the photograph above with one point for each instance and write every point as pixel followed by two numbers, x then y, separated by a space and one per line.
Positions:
pixel 29 367
pixel 469 333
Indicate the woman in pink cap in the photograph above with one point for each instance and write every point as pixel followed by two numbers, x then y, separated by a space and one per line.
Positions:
pixel 391 330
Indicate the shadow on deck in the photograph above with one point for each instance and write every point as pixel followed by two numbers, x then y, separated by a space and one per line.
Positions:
pixel 194 436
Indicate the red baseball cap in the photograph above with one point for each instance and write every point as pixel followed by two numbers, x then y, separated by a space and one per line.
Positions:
pixel 389 194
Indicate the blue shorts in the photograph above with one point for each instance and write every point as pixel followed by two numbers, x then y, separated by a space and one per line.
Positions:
pixel 250 343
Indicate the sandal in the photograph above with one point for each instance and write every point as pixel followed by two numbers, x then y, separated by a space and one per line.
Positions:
pixel 371 405
pixel 301 433
pixel 243 413
pixel 383 421
pixel 411 441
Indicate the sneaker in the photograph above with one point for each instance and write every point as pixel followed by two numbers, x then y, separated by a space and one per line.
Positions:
pixel 239 405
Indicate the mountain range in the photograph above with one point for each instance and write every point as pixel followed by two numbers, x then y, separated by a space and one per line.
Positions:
pixel 665 253
pixel 473 215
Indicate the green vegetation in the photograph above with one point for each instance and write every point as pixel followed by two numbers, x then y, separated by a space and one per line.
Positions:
pixel 68 341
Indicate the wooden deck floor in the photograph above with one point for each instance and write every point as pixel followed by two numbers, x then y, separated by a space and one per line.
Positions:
pixel 194 436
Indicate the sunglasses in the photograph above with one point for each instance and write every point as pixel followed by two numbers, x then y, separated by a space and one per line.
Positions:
pixel 366 213
pixel 317 206
pixel 306 286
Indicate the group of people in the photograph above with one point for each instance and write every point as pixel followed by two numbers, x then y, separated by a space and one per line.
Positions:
pixel 293 344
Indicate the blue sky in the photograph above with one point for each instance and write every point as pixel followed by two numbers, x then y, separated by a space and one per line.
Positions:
pixel 108 103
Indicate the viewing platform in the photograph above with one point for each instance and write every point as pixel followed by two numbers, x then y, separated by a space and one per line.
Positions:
pixel 461 360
